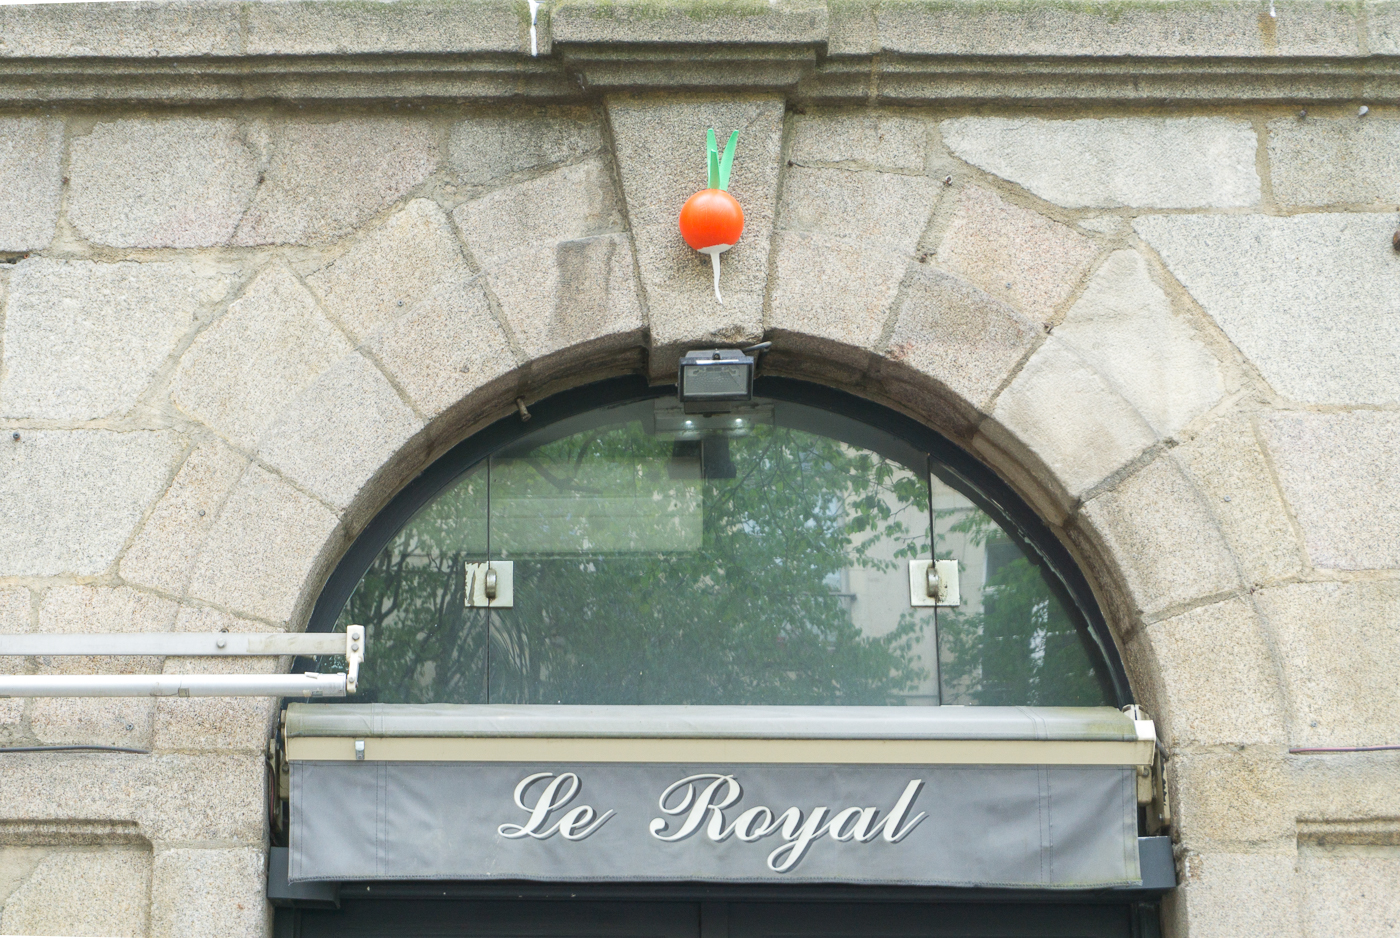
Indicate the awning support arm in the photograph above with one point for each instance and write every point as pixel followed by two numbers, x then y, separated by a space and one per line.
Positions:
pixel 185 645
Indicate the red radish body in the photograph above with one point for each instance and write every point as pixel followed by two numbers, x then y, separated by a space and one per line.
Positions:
pixel 711 217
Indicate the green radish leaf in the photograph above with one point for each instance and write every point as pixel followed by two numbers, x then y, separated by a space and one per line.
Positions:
pixel 728 162
pixel 712 159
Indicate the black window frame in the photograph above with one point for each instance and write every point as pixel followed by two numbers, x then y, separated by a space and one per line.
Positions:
pixel 956 466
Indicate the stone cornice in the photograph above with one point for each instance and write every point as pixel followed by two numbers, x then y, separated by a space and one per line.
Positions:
pixel 841 51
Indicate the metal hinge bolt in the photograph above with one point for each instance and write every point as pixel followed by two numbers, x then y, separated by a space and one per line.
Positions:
pixel 934 584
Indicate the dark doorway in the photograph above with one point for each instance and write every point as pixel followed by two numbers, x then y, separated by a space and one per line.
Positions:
pixel 557 918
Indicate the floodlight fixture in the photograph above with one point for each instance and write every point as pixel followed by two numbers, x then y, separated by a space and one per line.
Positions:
pixel 713 380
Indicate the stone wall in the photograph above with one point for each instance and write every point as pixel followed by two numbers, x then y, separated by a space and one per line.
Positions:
pixel 262 263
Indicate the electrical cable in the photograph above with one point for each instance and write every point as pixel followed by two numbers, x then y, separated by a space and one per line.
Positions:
pixel 90 748
pixel 1325 749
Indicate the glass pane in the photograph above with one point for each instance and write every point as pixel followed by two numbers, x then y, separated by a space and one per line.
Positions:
pixel 759 557
pixel 424 645
pixel 1013 641
pixel 728 561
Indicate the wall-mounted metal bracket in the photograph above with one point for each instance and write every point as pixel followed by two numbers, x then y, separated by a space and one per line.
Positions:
pixel 1151 779
pixel 489 585
pixel 354 656
pixel 934 583
pixel 351 644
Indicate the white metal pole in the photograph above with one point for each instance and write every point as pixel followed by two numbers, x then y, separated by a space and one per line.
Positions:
pixel 173 685
pixel 351 644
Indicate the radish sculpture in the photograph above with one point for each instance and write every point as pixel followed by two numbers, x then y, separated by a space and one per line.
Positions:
pixel 711 219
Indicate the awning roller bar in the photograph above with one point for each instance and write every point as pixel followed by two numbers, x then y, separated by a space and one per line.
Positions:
pixel 1098 724
pixel 180 645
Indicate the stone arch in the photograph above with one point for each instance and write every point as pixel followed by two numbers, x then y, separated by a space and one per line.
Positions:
pixel 972 306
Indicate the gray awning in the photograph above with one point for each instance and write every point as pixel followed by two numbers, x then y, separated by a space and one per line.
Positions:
pixel 991 796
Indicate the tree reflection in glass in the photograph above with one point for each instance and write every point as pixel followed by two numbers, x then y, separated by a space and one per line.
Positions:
pixel 758 565
pixel 1013 642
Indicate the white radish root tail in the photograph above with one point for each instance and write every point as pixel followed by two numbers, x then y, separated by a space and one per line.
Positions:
pixel 714 253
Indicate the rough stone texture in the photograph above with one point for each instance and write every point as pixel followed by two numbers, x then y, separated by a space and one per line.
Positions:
pixel 213 893
pixel 877 140
pixel 1162 537
pixel 124 31
pixel 169 798
pixel 101 721
pixel 83 340
pixel 1359 885
pixel 1359 790
pixel 1151 31
pixel 69 499
pixel 1298 296
pixel 76 891
pixel 949 329
pixel 315 29
pixel 216 723
pixel 1194 162
pixel 179 183
pixel 163 553
pixel 562 279
pixel 84 609
pixel 1014 254
pixel 195 724
pixel 832 290
pixel 568 204
pixel 1229 701
pixel 1235 895
pixel 323 179
pixel 113 721
pixel 874 210
pixel 390 269
pixel 337 433
pixel 445 347
pixel 569 293
pixel 1338 643
pixel 247 366
pixel 1065 417
pixel 1232 474
pixel 15 619
pixel 1326 162
pixel 782 21
pixel 1233 797
pixel 1382 28
pixel 661 161
pixel 260 550
pixel 31 149
pixel 229 724
pixel 1340 473
pixel 484 149
pixel 1124 327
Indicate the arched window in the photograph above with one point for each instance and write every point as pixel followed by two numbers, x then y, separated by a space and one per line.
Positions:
pixel 754 557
